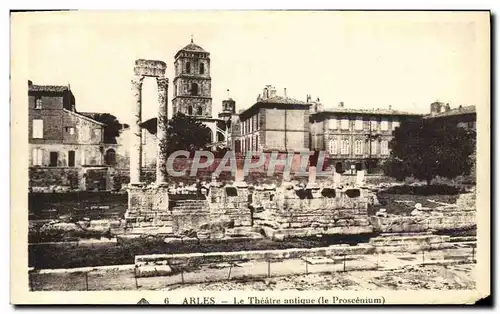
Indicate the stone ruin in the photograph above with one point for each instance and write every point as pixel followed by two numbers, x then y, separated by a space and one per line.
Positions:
pixel 288 210
pixel 311 210
pixel 461 215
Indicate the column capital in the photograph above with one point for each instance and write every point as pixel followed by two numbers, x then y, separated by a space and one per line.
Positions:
pixel 162 82
pixel 137 81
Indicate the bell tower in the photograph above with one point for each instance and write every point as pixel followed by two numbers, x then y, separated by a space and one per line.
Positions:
pixel 192 94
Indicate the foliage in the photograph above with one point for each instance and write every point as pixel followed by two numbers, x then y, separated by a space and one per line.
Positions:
pixel 184 133
pixel 425 149
pixel 112 128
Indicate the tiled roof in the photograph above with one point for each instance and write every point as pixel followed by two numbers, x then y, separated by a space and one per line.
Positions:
pixel 193 47
pixel 375 111
pixel 281 100
pixel 47 88
pixel 454 112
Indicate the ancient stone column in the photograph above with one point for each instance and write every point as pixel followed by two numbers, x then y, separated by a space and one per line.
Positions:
pixel 161 129
pixel 135 140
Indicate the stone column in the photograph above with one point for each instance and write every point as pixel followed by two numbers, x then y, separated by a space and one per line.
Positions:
pixel 136 137
pixel 161 129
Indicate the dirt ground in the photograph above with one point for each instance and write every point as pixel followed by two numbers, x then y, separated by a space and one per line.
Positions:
pixel 455 277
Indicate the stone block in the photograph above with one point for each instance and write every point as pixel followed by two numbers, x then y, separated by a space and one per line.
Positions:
pixel 152 270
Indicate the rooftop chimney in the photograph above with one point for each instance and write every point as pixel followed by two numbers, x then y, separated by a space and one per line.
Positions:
pixel 272 91
pixel 341 104
pixel 284 93
pixel 390 107
pixel 265 93
pixel 447 107
pixel 30 83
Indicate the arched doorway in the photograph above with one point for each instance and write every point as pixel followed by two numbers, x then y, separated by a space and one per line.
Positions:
pixel 110 157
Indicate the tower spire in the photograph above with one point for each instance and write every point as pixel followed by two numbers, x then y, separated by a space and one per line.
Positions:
pixel 192 40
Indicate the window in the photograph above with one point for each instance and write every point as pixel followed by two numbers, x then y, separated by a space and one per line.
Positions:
pixel 190 110
pixel 202 68
pixel 358 124
pixel 37 158
pixel 37 128
pixel 110 158
pixel 54 156
pixel 344 149
pixel 358 148
pixel 332 146
pixel 395 124
pixel 384 147
pixel 373 147
pixel 344 124
pixel 38 103
pixel 384 125
pixel 188 67
pixel 70 130
pixel 71 158
pixel 194 89
pixel 257 143
pixel 200 111
pixel 373 124
pixel 332 124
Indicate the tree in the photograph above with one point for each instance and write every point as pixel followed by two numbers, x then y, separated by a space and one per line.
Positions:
pixel 425 149
pixel 184 133
pixel 112 128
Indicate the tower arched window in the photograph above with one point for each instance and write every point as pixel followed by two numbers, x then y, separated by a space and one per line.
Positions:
pixel 202 68
pixel 194 89
pixel 188 67
pixel 190 110
pixel 200 111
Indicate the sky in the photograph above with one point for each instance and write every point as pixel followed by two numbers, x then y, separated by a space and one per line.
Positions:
pixel 364 59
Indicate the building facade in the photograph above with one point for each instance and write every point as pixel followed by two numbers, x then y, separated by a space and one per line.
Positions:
pixel 355 138
pixel 58 135
pixel 275 123
pixel 462 116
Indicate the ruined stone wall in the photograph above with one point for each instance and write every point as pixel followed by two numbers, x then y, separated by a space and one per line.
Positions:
pixel 48 179
pixel 231 203
pixel 43 178
pixel 306 212
pixel 461 215
pixel 148 210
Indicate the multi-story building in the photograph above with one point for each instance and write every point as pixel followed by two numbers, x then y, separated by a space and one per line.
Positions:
pixel 58 135
pixel 462 116
pixel 355 138
pixel 275 123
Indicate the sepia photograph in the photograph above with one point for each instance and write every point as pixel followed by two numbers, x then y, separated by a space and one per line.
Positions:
pixel 250 157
